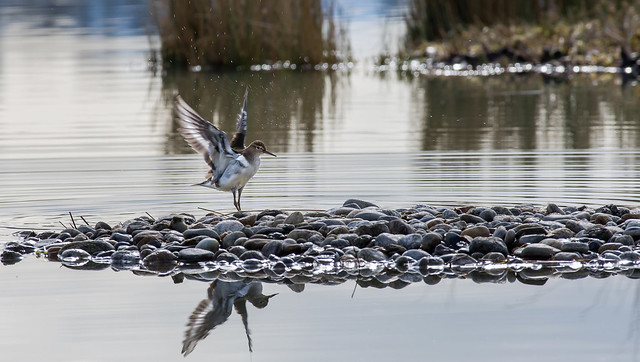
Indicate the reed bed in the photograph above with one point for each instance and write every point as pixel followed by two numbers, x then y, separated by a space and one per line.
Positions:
pixel 233 33
pixel 586 31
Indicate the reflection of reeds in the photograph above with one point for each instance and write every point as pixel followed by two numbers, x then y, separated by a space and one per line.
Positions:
pixel 285 109
pixel 222 33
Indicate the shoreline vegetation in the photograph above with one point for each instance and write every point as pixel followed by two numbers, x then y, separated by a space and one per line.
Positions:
pixel 221 34
pixel 564 32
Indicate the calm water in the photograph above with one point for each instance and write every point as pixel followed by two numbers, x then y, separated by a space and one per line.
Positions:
pixel 86 128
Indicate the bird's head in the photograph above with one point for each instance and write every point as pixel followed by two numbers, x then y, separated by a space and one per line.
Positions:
pixel 261 148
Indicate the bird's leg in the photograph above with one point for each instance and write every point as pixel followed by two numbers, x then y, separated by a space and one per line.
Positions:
pixel 235 203
pixel 239 195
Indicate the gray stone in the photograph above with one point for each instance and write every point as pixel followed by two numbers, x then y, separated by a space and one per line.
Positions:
pixel 487 245
pixel 192 233
pixel 273 247
pixel 372 229
pixel 92 247
pixel 575 246
pixel 416 254
pixel 538 252
pixel 369 254
pixel 385 239
pixel 160 257
pixel 251 254
pixel 561 233
pixel 472 219
pixel 230 239
pixel 476 231
pixel 398 226
pixel 294 218
pixel 369 215
pixel 411 241
pixel 125 257
pixel 633 231
pixel 303 234
pixel 488 214
pixel 598 232
pixel 226 226
pixel 195 255
pixel 430 241
pixel 358 204
pixel 209 244
pixel 121 237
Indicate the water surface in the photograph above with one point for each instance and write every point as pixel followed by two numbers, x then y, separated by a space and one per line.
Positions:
pixel 86 127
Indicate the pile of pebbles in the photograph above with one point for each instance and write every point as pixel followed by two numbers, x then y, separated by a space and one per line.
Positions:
pixel 357 239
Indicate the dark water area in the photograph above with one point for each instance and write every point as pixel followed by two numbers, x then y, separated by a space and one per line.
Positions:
pixel 86 127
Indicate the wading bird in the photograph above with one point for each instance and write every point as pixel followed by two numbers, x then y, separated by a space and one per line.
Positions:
pixel 231 163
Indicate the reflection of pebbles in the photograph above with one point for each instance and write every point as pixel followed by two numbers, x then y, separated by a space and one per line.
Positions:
pixel 222 296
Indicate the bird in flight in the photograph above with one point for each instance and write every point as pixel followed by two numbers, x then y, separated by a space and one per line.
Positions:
pixel 231 164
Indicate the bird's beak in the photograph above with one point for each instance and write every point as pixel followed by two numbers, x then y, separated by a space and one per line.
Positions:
pixel 272 154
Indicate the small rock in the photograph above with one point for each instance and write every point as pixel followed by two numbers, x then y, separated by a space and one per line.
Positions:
pixel 472 219
pixel 294 218
pixel 487 245
pixel 358 204
pixel 92 247
pixel 303 234
pixel 226 226
pixel 385 239
pixel 125 257
pixel 192 233
pixel 195 255
pixel 538 252
pixel 160 257
pixel 369 215
pixel 209 244
pixel 488 214
pixel 411 241
pixel 609 246
pixel 273 247
pixel 398 226
pixel 373 229
pixel 368 254
pixel 230 239
pixel 476 231
pixel 251 254
pixel 429 241
pixel 575 246
pixel 554 209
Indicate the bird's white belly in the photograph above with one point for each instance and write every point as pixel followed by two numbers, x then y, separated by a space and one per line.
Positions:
pixel 237 174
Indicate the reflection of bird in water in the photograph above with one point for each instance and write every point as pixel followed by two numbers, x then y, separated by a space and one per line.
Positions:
pixel 216 309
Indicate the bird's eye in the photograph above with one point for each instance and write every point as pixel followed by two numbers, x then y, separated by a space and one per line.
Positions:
pixel 259 148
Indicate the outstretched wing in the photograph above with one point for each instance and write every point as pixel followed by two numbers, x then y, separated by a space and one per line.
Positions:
pixel 237 142
pixel 204 137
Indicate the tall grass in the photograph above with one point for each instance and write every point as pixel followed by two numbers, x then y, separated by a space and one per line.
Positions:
pixel 223 33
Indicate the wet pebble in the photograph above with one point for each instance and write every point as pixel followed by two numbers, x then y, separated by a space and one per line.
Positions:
pixel 195 255
pixel 539 252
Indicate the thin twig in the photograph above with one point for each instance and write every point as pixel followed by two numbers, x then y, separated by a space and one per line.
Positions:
pixel 63 225
pixel 152 218
pixel 85 221
pixel 73 222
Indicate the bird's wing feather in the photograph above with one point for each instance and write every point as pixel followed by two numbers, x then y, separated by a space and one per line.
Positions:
pixel 204 137
pixel 237 142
